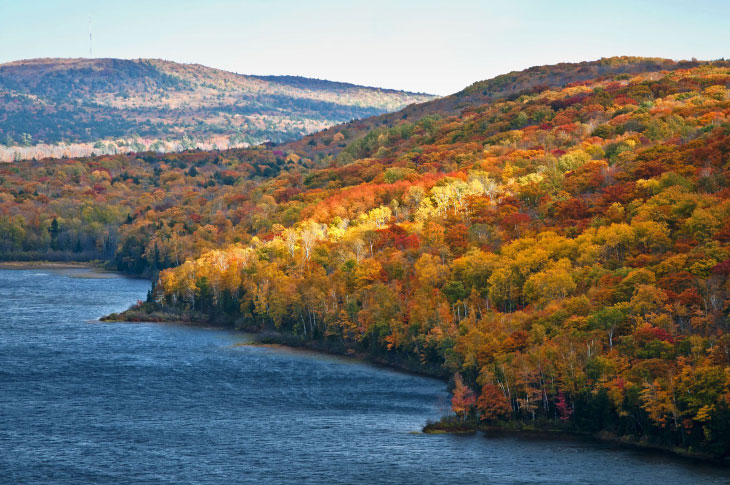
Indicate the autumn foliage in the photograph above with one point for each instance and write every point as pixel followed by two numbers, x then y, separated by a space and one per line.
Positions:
pixel 563 252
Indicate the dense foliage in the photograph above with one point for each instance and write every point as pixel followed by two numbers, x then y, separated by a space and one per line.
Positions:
pixel 564 253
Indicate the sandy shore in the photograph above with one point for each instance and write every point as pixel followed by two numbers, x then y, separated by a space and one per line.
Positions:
pixel 71 269
pixel 43 265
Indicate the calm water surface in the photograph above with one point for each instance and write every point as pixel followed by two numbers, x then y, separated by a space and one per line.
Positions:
pixel 118 403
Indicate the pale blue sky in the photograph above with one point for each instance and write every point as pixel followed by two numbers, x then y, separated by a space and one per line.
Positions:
pixel 434 46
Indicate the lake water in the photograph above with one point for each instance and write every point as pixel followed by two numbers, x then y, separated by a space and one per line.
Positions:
pixel 117 403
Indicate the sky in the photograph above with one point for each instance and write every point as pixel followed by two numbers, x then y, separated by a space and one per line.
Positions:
pixel 437 47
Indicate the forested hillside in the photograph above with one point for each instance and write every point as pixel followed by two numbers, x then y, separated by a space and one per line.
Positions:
pixel 563 251
pixel 57 107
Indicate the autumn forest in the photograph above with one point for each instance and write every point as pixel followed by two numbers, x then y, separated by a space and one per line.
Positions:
pixel 555 242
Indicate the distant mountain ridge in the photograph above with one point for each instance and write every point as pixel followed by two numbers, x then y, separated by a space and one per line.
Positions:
pixel 119 105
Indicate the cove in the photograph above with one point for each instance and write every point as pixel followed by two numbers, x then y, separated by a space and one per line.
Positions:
pixel 116 403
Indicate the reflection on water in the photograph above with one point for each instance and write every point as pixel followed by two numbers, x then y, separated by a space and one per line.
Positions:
pixel 112 403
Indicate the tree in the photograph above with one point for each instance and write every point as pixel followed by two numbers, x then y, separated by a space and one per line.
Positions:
pixel 565 411
pixel 310 233
pixel 608 319
pixel 463 400
pixel 54 231
pixel 551 283
pixel 492 404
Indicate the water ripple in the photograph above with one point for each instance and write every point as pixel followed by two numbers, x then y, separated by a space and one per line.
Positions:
pixel 117 403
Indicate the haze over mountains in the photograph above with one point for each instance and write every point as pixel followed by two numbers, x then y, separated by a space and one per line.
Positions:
pixel 73 107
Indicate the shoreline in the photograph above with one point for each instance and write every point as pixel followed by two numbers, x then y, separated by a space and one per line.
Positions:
pixel 97 268
pixel 273 338
pixel 90 270
pixel 27 265
pixel 278 339
pixel 608 438
pixel 548 434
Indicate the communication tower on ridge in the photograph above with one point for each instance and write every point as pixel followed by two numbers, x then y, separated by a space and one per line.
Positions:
pixel 90 37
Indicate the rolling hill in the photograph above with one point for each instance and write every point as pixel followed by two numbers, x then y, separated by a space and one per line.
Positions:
pixel 556 240
pixel 57 107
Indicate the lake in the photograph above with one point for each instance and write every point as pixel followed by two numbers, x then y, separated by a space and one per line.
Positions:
pixel 83 401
